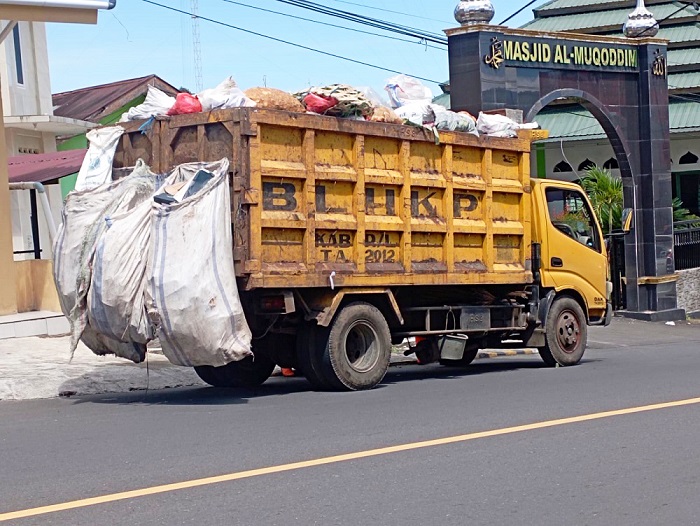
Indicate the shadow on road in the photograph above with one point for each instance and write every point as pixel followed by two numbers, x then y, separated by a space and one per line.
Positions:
pixel 278 386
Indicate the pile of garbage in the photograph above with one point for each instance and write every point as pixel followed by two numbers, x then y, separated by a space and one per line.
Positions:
pixel 409 102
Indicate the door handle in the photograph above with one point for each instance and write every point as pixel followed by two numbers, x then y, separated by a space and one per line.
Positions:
pixel 557 262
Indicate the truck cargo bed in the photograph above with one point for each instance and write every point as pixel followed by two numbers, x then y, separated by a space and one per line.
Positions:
pixel 320 201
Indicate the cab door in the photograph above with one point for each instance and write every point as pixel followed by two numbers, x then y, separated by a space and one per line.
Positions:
pixel 574 255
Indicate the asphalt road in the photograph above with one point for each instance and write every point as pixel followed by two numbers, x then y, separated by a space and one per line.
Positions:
pixel 626 468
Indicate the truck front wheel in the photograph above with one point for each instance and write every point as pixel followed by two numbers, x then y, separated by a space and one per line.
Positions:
pixel 357 349
pixel 247 372
pixel 566 333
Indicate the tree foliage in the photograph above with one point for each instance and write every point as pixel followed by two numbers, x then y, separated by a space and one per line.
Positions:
pixel 605 192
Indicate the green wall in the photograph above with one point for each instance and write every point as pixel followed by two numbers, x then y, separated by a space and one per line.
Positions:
pixel 81 142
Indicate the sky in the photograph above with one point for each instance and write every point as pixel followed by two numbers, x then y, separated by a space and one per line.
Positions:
pixel 138 38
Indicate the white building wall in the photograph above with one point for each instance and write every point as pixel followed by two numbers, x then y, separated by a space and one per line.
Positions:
pixel 31 97
pixel 574 153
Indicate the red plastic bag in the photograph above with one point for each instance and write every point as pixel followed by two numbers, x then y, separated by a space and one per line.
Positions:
pixel 185 103
pixel 319 103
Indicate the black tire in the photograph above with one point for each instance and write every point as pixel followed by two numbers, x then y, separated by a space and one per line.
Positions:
pixel 309 356
pixel 566 333
pixel 249 372
pixel 357 349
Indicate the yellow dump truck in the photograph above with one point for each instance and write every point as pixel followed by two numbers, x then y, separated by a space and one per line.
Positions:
pixel 352 236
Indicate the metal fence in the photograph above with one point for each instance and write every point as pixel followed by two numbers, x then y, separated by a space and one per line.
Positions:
pixel 686 244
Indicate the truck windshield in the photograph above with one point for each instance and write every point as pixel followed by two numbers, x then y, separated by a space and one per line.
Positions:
pixel 570 214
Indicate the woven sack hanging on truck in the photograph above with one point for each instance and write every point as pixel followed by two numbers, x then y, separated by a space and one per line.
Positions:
pixel 192 297
pixel 85 220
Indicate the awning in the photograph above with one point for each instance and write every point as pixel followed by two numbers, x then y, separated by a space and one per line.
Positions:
pixel 44 167
pixel 48 124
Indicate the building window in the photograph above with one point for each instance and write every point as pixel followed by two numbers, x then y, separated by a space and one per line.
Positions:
pixel 18 55
pixel 562 167
pixel 586 165
pixel 688 158
pixel 611 164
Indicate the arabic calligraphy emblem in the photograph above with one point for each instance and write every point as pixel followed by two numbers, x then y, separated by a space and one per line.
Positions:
pixel 658 67
pixel 495 59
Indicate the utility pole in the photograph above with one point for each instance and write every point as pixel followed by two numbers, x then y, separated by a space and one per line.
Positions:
pixel 196 46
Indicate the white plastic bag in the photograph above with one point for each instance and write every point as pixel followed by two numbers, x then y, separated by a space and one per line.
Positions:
pixel 156 103
pixel 96 169
pixel 224 96
pixel 83 225
pixel 417 113
pixel 192 297
pixel 501 126
pixel 403 89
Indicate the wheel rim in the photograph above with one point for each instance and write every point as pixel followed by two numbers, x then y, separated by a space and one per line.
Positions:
pixel 362 347
pixel 568 332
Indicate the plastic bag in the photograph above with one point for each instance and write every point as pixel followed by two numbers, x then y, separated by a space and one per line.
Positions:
pixel 319 103
pixel 96 169
pixel 419 114
pixel 185 103
pixel 451 121
pixel 224 96
pixel 84 223
pixel 192 297
pixel 156 103
pixel 496 125
pixel 403 89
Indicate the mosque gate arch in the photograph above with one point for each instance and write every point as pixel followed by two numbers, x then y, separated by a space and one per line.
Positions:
pixel 622 82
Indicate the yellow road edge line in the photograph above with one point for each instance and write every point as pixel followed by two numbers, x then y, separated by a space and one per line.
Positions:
pixel 165 488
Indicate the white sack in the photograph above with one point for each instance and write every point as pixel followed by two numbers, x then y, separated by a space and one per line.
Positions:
pixel 83 225
pixel 501 126
pixel 116 299
pixel 96 169
pixel 403 89
pixel 224 96
pixel 156 103
pixel 192 297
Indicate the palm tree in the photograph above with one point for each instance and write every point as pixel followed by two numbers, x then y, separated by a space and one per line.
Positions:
pixel 605 192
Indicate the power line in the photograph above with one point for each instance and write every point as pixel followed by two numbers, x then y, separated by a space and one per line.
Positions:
pixel 218 22
pixel 518 12
pixel 372 22
pixel 334 25
pixel 658 24
pixel 390 11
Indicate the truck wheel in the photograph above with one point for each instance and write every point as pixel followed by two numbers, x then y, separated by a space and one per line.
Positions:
pixel 566 333
pixel 358 348
pixel 309 356
pixel 247 372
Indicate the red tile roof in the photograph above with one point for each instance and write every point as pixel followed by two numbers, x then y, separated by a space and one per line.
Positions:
pixel 44 167
pixel 96 102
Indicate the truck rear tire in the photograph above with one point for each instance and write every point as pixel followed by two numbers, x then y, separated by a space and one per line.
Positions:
pixel 247 372
pixel 357 350
pixel 566 333
pixel 309 356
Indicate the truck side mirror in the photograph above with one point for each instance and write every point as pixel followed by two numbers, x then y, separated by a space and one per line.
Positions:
pixel 627 218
